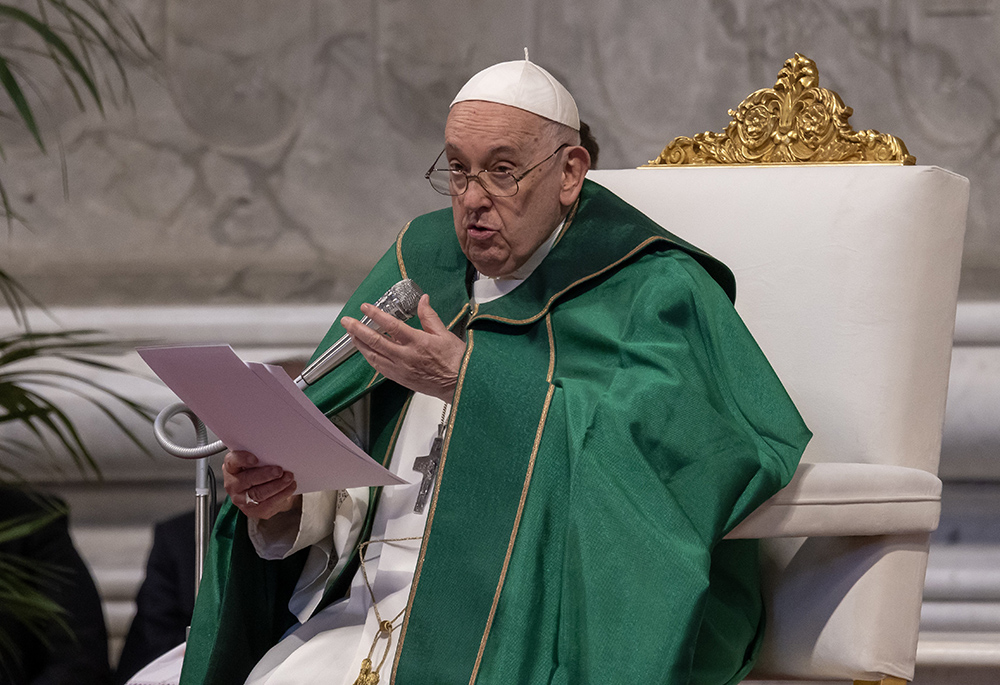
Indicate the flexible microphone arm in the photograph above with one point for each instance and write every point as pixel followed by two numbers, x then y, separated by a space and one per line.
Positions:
pixel 400 301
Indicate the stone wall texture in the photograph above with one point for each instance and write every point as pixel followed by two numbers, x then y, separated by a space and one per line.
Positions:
pixel 276 147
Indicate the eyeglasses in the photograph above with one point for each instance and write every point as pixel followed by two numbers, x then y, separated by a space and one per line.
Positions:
pixel 455 182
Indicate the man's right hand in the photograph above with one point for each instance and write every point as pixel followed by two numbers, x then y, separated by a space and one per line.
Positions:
pixel 259 491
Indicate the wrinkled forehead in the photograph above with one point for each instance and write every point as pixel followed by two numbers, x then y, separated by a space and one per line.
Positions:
pixel 476 123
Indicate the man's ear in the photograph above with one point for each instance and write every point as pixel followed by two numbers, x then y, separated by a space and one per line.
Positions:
pixel 575 168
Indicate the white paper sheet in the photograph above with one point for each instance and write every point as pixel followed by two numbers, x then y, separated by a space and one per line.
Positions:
pixel 257 408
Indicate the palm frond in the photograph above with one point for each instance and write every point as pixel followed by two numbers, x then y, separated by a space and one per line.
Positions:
pixel 53 417
pixel 26 524
pixel 25 585
pixel 16 296
pixel 23 383
pixel 86 33
pixel 76 38
pixel 16 95
pixel 62 55
pixel 15 449
pixel 46 420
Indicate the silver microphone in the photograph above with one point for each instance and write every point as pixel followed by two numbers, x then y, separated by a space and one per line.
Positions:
pixel 400 301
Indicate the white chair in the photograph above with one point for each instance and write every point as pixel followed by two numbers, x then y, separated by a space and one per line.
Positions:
pixel 847 276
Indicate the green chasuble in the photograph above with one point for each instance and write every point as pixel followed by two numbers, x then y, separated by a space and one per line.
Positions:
pixel 613 420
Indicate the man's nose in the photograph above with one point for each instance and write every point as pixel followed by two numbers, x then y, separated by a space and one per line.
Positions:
pixel 475 195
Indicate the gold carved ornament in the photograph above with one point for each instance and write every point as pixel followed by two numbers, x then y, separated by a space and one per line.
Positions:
pixel 796 122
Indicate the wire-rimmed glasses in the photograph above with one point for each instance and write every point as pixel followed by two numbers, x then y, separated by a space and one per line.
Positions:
pixel 455 182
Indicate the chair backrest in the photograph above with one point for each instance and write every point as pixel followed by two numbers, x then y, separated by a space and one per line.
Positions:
pixel 847 276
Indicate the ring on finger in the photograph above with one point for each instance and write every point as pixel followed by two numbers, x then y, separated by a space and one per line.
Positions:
pixel 250 500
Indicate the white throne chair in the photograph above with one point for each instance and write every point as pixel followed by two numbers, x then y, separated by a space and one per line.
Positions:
pixel 847 276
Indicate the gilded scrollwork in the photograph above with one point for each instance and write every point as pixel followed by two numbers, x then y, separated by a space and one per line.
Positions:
pixel 794 122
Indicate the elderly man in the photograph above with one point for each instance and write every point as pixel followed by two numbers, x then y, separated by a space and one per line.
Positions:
pixel 588 417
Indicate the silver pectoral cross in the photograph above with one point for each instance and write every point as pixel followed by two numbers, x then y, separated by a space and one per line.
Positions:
pixel 428 466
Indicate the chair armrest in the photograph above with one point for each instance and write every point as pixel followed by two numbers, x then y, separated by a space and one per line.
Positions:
pixel 838 499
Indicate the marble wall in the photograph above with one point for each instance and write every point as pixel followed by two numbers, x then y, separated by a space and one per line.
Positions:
pixel 275 147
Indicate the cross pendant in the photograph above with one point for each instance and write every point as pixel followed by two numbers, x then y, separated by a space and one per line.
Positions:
pixel 428 465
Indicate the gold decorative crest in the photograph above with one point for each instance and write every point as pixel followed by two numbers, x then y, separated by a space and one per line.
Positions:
pixel 796 122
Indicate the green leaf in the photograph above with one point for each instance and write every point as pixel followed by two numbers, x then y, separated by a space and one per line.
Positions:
pixel 22 526
pixel 20 103
pixel 8 209
pixel 23 383
pixel 73 35
pixel 24 585
pixel 78 20
pixel 52 39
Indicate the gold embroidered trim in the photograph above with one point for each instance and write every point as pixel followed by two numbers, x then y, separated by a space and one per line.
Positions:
pixel 430 512
pixel 552 348
pixel 570 215
pixel 544 310
pixel 399 250
pixel 513 533
pixel 458 317
pixel 795 122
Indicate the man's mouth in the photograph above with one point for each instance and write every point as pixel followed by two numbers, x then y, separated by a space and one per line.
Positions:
pixel 478 232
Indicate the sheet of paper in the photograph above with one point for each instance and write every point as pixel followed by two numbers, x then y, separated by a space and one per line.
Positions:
pixel 257 408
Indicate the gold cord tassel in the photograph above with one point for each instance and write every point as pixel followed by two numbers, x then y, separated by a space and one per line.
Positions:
pixel 367 677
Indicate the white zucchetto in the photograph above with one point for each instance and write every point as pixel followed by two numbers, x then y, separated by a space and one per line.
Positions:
pixel 524 85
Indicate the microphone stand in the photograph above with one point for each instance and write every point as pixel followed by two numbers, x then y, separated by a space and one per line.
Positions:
pixel 202 494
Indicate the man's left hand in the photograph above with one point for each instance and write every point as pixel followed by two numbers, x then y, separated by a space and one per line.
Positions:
pixel 424 361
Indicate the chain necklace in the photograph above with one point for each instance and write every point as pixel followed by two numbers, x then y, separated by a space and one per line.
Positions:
pixel 385 628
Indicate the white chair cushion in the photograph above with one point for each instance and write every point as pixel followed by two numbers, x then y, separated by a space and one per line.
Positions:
pixel 848 499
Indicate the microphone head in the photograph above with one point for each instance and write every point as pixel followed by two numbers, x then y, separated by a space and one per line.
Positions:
pixel 401 299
